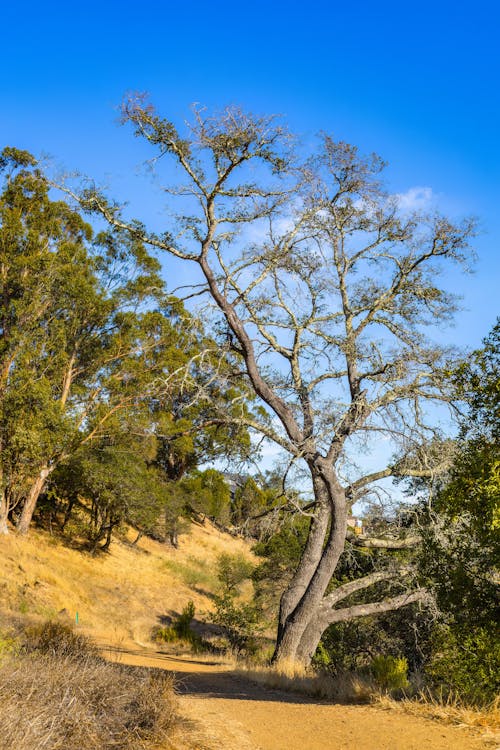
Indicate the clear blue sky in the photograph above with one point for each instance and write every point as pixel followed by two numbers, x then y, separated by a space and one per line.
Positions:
pixel 416 82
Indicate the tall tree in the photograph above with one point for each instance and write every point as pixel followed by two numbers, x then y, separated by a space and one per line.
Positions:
pixel 88 333
pixel 461 554
pixel 323 289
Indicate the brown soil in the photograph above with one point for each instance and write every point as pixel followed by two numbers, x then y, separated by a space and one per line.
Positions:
pixel 237 714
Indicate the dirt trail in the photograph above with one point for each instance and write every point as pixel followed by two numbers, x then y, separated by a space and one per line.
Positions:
pixel 237 714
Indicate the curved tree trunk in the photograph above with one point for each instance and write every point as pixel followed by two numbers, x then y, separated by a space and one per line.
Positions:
pixel 310 639
pixel 309 560
pixel 315 574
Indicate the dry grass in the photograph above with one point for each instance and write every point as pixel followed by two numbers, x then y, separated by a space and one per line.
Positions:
pixel 51 699
pixel 121 596
pixel 51 703
pixel 296 678
pixel 448 711
pixel 56 692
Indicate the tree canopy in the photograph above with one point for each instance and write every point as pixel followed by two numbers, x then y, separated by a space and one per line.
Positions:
pixel 322 288
pixel 93 349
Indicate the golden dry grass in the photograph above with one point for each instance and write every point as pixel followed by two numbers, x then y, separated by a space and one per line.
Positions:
pixel 448 711
pixel 294 677
pixel 56 692
pixel 121 596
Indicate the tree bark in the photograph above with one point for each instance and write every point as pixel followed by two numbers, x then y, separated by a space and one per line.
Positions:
pixel 316 575
pixel 31 500
pixel 309 560
pixel 4 513
pixel 323 618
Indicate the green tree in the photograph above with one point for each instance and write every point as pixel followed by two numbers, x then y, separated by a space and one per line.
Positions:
pixel 206 493
pixel 111 482
pixel 89 335
pixel 461 552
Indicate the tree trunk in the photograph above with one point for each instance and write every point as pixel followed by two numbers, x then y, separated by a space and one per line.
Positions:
pixel 310 639
pixel 4 513
pixel 31 500
pixel 68 512
pixel 109 535
pixel 139 536
pixel 314 573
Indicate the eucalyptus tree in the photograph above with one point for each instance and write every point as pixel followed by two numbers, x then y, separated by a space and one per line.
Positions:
pixel 88 335
pixel 322 288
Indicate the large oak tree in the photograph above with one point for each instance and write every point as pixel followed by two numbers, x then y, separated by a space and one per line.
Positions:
pixel 323 288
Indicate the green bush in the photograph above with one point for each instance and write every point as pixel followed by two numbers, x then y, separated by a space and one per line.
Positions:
pixel 240 622
pixel 166 634
pixel 390 673
pixel 180 629
pixel 466 663
pixel 232 571
pixel 182 625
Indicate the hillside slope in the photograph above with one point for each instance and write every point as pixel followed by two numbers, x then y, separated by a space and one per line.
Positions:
pixel 120 597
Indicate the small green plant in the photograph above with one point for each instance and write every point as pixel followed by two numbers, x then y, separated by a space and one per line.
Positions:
pixel 166 634
pixel 8 645
pixel 232 571
pixel 180 629
pixel 240 620
pixel 389 672
pixel 182 626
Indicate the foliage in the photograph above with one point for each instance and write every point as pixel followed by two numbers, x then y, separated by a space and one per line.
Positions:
pixel 280 554
pixel 232 571
pixel 182 625
pixel 207 493
pixel 93 350
pixel 461 552
pixel 180 629
pixel 466 661
pixel 351 646
pixel 390 673
pixel 111 482
pixel 241 620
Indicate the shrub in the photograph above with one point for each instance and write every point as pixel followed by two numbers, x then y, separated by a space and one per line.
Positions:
pixel 389 672
pixel 240 622
pixel 57 693
pixel 466 663
pixel 232 571
pixel 180 629
pixel 58 639
pixel 182 626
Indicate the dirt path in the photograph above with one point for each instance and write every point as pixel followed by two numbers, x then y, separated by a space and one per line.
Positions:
pixel 237 714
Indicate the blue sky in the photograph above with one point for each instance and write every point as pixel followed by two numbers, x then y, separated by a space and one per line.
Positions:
pixel 417 83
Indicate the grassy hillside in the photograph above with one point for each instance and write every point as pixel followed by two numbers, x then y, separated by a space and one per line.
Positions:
pixel 121 596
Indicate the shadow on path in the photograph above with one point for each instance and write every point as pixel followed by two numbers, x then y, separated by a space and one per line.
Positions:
pixel 210 683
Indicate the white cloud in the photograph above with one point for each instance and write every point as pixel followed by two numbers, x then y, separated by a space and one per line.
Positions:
pixel 415 199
